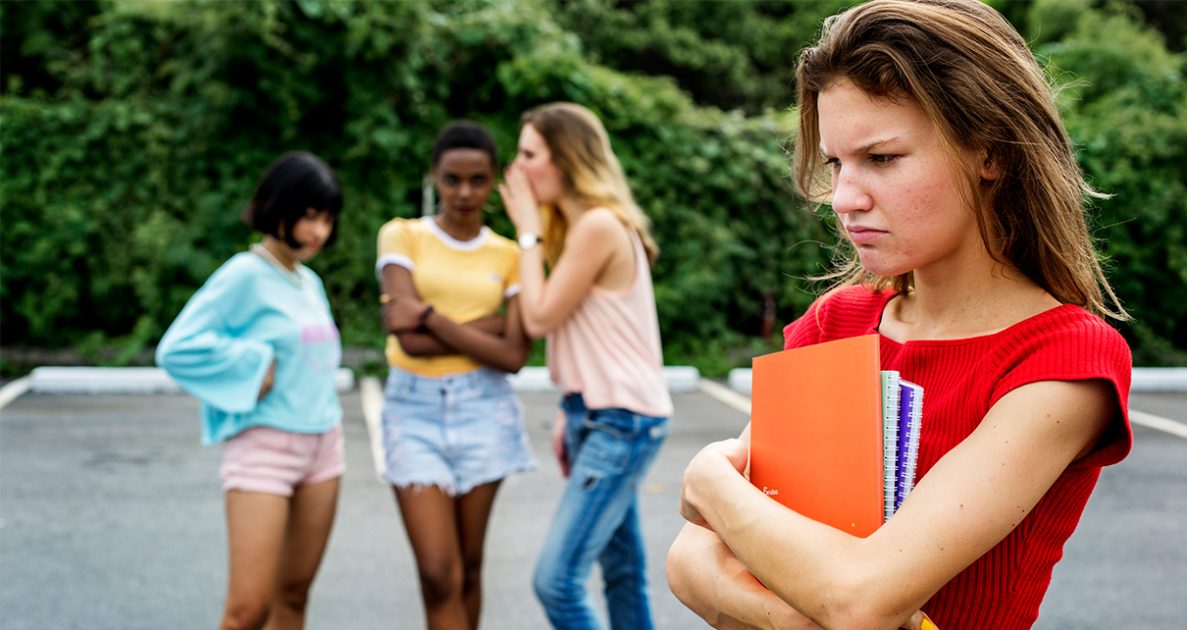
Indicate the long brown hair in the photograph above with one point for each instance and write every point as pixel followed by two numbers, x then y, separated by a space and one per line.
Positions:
pixel 591 173
pixel 975 78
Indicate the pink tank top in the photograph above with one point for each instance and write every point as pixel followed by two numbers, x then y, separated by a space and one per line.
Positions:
pixel 609 348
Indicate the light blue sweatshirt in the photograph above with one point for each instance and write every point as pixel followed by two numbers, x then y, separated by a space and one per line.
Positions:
pixel 248 314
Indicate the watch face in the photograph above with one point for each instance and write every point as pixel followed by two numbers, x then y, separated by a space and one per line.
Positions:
pixel 528 241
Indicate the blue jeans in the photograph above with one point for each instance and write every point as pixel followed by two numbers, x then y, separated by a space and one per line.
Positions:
pixel 609 452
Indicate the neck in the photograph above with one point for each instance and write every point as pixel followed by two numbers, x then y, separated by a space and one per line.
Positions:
pixel 957 304
pixel 281 252
pixel 461 227
pixel 570 209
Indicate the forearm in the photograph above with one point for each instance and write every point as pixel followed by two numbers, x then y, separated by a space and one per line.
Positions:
pixel 424 344
pixel 836 580
pixel 710 581
pixel 506 353
pixel 532 284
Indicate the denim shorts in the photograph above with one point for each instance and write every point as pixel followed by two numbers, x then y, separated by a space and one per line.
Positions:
pixel 455 432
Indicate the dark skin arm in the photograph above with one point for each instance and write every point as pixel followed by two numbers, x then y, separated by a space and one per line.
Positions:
pixel 498 341
pixel 418 344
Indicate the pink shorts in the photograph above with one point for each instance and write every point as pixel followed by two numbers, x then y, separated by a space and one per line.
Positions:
pixel 272 461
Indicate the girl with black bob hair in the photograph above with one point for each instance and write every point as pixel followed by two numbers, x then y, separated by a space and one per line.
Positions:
pixel 257 345
pixel 296 182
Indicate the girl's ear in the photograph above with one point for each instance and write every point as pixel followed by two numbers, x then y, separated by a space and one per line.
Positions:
pixel 990 169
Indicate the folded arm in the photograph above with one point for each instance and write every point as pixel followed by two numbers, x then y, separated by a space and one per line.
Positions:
pixel 971 499
pixel 497 341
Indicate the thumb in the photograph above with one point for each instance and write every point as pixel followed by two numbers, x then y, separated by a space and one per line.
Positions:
pixel 736 452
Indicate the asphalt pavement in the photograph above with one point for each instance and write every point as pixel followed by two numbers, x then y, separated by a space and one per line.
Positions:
pixel 111 518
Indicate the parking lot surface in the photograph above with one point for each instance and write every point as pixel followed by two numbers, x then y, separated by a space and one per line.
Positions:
pixel 111 517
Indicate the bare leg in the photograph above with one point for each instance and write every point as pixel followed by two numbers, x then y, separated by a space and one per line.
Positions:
pixel 474 510
pixel 311 517
pixel 430 518
pixel 255 534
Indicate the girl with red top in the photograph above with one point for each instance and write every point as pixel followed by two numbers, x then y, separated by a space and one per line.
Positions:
pixel 953 178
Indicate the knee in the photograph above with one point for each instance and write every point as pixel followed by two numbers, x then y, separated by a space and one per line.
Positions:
pixel 554 587
pixel 294 595
pixel 440 581
pixel 472 573
pixel 245 615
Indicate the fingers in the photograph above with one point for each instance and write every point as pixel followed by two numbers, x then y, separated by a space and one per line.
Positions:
pixel 558 445
pixel 712 463
pixel 400 315
pixel 920 621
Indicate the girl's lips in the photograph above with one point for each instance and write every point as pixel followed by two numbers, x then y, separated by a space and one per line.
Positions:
pixel 863 235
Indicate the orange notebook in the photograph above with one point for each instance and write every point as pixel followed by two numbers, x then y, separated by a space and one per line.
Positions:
pixel 816 432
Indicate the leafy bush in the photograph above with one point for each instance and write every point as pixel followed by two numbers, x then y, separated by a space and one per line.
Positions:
pixel 1126 106
pixel 134 132
pixel 124 180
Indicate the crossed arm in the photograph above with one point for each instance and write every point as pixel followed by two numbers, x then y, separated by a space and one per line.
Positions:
pixel 496 341
pixel 738 543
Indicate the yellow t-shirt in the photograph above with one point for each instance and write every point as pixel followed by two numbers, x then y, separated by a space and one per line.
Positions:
pixel 463 280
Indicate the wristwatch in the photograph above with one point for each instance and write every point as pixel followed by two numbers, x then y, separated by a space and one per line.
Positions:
pixel 528 240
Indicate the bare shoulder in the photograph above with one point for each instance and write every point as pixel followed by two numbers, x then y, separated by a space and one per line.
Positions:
pixel 600 222
pixel 598 228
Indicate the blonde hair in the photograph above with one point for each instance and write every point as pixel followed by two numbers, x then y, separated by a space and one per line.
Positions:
pixel 975 78
pixel 590 172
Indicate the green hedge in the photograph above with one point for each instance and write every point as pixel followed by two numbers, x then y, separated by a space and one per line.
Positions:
pixel 129 150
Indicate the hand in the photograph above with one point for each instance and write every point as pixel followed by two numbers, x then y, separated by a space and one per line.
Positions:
pixel 520 200
pixel 712 463
pixel 269 378
pixel 920 621
pixel 401 314
pixel 558 443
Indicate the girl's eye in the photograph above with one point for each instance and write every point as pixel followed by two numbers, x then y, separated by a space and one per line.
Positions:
pixel 882 158
pixel 832 162
pixel 449 180
pixel 478 181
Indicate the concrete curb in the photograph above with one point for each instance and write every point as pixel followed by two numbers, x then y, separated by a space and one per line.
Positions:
pixel 151 380
pixel 1145 380
pixel 135 380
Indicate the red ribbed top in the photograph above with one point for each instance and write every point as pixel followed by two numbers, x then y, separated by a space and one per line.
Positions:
pixel 962 379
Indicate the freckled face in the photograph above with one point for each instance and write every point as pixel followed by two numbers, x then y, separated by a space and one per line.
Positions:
pixel 536 161
pixel 896 190
pixel 464 179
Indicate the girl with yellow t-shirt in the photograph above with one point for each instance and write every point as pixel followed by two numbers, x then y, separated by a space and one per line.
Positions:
pixel 452 426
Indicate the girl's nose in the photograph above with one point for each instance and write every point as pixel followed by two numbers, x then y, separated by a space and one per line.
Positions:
pixel 849 192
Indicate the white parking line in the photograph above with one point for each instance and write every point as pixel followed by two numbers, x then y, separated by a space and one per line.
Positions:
pixel 742 403
pixel 725 395
pixel 371 393
pixel 13 390
pixel 1151 421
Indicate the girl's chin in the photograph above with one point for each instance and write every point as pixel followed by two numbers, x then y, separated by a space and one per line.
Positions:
pixel 881 268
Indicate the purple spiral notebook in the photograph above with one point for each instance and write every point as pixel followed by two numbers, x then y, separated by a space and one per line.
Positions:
pixel 910 418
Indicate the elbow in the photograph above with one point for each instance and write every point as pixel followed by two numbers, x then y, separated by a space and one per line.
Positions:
pixel 675 568
pixel 408 343
pixel 681 568
pixel 161 356
pixel 855 602
pixel 516 360
pixel 511 364
pixel 538 327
